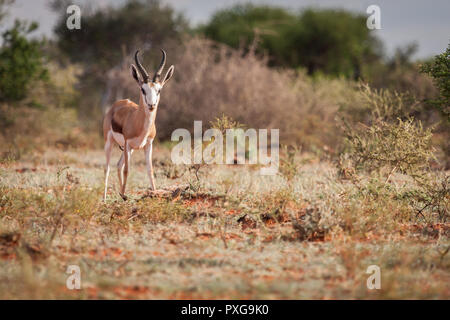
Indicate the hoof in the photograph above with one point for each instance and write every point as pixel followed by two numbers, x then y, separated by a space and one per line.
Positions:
pixel 124 197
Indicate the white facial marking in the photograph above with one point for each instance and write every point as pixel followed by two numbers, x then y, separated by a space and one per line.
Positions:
pixel 151 94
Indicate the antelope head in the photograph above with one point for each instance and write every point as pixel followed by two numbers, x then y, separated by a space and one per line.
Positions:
pixel 150 90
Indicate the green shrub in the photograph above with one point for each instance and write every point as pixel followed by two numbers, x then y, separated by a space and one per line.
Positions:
pixel 313 38
pixel 439 70
pixel 21 62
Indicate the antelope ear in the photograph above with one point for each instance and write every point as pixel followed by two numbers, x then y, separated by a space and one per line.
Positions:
pixel 169 74
pixel 135 74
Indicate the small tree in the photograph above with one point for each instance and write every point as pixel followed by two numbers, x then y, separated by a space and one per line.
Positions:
pixel 322 40
pixel 21 62
pixel 107 34
pixel 439 70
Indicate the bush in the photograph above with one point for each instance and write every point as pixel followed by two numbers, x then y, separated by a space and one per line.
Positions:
pixel 46 118
pixel 370 105
pixel 373 113
pixel 384 138
pixel 400 74
pixel 21 62
pixel 404 146
pixel 439 70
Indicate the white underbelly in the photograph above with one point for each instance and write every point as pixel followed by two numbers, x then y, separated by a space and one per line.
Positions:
pixel 138 142
pixel 134 143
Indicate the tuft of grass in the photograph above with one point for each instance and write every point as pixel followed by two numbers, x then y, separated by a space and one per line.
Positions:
pixel 157 210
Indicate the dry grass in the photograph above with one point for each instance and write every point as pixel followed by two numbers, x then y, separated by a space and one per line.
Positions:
pixel 240 235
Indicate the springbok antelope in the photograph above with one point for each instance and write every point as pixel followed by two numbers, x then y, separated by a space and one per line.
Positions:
pixel 132 126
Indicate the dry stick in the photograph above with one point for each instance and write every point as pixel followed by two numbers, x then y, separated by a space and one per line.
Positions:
pixel 420 211
pixel 132 217
pixel 392 171
pixel 222 236
pixel 224 240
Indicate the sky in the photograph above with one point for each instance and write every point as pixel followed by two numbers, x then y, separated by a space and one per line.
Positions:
pixel 426 23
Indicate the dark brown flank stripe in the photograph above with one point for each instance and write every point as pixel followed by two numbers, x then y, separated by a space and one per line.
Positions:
pixel 115 126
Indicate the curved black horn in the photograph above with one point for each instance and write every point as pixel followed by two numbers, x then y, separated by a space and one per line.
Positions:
pixel 161 67
pixel 141 69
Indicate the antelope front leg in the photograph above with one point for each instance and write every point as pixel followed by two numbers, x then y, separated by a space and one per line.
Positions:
pixel 120 165
pixel 149 163
pixel 127 153
pixel 108 148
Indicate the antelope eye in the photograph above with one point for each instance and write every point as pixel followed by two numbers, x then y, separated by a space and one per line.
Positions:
pixel 143 91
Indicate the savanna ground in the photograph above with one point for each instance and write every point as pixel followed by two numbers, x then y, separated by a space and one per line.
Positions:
pixel 230 234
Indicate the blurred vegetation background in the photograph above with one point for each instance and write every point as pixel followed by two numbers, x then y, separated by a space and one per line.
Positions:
pixel 306 72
